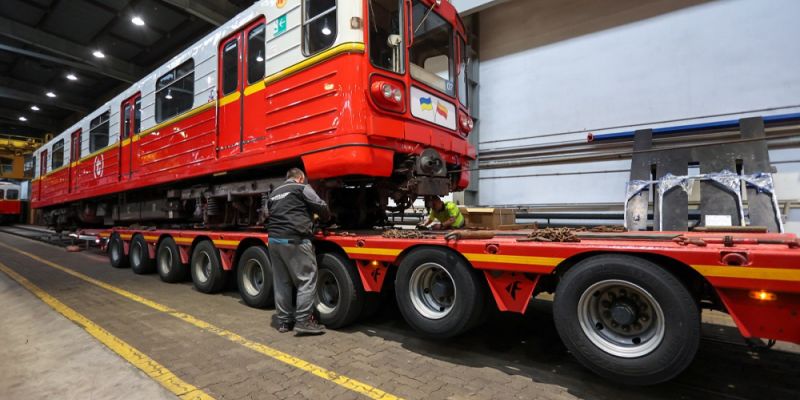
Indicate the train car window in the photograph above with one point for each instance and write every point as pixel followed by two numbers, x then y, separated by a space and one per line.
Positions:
pixel 386 47
pixel 463 82
pixel 431 54
pixel 29 166
pixel 57 160
pixel 319 25
pixel 256 53
pixel 126 120
pixel 230 67
pixel 75 146
pixel 6 165
pixel 2 194
pixel 175 92
pixel 137 115
pixel 12 194
pixel 98 132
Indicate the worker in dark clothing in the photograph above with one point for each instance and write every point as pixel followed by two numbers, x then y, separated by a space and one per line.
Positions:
pixel 291 210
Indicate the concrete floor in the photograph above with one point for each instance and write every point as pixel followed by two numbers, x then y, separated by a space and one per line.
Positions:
pixel 46 356
pixel 510 357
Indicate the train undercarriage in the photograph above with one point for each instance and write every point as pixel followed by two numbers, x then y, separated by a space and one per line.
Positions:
pixel 236 199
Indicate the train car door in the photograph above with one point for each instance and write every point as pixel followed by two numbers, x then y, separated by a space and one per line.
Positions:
pixel 130 122
pixel 235 74
pixel 74 156
pixel 42 171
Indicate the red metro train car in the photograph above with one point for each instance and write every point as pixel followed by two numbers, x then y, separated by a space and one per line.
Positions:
pixel 369 97
pixel 10 203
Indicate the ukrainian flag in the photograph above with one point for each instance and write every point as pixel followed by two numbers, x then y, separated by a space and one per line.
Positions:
pixel 425 103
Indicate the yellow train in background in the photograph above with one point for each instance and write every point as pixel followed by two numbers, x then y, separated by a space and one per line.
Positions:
pixel 16 162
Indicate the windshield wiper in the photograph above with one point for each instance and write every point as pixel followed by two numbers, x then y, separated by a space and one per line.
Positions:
pixel 424 17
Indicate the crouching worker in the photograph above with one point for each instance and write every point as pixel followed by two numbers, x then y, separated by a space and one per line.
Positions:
pixel 447 214
pixel 294 265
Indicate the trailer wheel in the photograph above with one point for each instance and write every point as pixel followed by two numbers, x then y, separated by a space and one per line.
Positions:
pixel 206 266
pixel 139 256
pixel 168 261
pixel 627 319
pixel 438 293
pixel 116 252
pixel 254 276
pixel 340 296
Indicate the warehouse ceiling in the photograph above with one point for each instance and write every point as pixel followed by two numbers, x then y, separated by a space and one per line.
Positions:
pixel 60 59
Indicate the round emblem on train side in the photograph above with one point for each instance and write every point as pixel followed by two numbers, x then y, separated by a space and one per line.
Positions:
pixel 98 166
pixel 280 3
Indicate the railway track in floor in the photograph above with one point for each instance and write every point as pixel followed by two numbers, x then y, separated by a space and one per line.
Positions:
pixel 41 234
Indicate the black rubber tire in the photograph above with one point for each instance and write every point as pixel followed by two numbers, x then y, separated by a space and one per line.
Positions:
pixel 116 252
pixel 681 319
pixel 217 277
pixel 469 299
pixel 139 256
pixel 266 296
pixel 347 308
pixel 168 262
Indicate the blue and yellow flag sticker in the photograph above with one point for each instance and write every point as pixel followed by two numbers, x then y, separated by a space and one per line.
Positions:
pixel 425 103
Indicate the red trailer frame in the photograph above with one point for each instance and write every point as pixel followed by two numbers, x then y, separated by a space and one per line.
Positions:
pixel 753 277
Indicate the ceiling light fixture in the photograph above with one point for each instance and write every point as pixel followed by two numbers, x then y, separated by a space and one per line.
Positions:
pixel 326 31
pixel 23 119
pixel 98 54
pixel 50 94
pixel 138 21
pixel 169 94
pixel 34 108
pixel 72 77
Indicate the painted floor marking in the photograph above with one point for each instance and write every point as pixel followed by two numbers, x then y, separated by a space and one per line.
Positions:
pixel 153 369
pixel 341 380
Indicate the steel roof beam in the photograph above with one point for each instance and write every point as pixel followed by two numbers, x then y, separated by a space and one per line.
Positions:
pixel 43 123
pixel 214 12
pixel 57 60
pixel 36 95
pixel 109 66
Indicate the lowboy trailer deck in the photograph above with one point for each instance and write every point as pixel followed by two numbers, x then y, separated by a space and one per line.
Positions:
pixel 627 305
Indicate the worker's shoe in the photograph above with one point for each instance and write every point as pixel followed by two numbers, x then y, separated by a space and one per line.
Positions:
pixel 309 327
pixel 284 327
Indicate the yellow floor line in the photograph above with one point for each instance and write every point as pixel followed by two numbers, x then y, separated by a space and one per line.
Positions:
pixel 140 360
pixel 341 380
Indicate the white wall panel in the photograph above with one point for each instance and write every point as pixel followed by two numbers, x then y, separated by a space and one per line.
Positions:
pixel 696 63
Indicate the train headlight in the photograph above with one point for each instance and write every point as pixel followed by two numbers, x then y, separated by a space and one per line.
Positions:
pixel 466 123
pixel 397 96
pixel 387 94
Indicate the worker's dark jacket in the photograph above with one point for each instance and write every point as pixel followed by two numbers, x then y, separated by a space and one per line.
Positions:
pixel 291 207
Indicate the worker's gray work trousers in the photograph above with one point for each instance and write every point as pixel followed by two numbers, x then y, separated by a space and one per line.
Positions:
pixel 293 265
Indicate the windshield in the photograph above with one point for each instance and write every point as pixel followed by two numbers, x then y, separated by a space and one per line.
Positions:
pixel 431 54
pixel 386 34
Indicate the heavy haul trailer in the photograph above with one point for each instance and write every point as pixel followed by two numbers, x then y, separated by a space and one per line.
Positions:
pixel 626 305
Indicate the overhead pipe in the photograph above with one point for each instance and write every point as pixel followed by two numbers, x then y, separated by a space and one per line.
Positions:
pixel 694 128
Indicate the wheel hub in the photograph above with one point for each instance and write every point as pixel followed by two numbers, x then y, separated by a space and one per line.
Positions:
pixel 442 289
pixel 432 291
pixel 623 313
pixel 621 318
pixel 327 292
